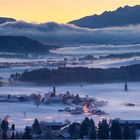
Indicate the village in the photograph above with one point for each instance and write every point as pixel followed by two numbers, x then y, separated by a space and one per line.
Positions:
pixel 77 104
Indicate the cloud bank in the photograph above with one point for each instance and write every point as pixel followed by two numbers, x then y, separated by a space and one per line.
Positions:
pixel 52 33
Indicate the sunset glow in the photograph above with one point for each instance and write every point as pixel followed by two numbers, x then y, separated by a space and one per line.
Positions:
pixel 61 11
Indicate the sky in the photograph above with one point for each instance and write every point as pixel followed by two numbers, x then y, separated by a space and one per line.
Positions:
pixel 61 11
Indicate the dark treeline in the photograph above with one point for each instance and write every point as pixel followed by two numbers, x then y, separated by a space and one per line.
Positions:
pixel 75 75
pixel 104 130
pixel 85 130
pixel 123 55
pixel 120 56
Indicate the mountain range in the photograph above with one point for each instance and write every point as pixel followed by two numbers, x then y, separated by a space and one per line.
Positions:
pixel 121 17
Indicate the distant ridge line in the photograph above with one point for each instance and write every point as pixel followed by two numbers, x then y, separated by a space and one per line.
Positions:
pixel 122 16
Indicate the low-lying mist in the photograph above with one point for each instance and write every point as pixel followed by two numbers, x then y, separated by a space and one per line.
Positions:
pixel 53 33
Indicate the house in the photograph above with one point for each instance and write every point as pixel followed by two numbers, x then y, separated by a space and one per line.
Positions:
pixel 54 126
pixel 64 131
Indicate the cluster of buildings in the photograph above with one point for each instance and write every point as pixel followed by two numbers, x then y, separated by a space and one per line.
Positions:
pixel 74 103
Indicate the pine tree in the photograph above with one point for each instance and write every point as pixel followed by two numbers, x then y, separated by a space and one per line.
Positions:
pixel 127 131
pixel 13 127
pixel 36 127
pixel 4 135
pixel 13 135
pixel 116 130
pixel 5 125
pixel 74 131
pixel 92 130
pixel 84 128
pixel 17 135
pixel 133 132
pixel 27 133
pixel 103 130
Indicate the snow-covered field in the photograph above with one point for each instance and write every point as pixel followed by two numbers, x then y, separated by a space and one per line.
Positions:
pixel 113 93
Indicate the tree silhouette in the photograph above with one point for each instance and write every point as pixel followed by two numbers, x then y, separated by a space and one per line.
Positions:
pixel 27 133
pixel 103 130
pixel 36 127
pixel 116 130
pixel 92 130
pixel 84 128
